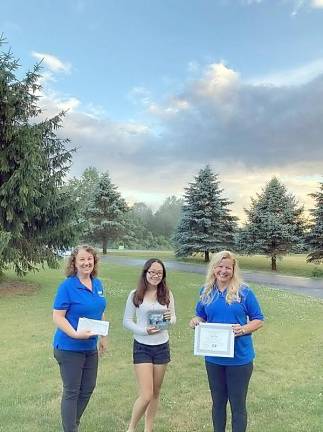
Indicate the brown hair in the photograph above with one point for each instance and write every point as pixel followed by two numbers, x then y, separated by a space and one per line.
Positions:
pixel 70 267
pixel 162 288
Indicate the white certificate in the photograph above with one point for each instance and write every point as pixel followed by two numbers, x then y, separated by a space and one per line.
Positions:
pixel 214 340
pixel 97 327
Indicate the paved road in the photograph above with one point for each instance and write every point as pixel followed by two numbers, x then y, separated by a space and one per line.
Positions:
pixel 299 285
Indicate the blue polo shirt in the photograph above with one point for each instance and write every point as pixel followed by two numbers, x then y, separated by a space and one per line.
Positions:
pixel 78 301
pixel 219 311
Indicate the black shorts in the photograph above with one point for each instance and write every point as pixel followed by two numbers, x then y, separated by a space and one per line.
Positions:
pixel 156 354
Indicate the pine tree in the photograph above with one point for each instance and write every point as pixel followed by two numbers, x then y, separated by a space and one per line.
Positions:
pixel 274 223
pixel 206 224
pixel 107 215
pixel 35 212
pixel 315 237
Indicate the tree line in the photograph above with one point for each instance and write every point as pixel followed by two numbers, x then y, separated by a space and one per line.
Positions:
pixel 42 214
pixel 104 218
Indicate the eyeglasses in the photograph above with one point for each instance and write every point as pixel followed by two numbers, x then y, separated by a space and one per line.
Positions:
pixel 155 274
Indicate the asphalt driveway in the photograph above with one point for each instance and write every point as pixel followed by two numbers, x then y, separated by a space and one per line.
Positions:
pixel 300 285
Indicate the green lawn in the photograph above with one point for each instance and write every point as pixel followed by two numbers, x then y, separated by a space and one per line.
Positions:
pixel 292 264
pixel 286 392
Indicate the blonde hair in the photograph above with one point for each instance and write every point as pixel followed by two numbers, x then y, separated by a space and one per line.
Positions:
pixel 70 266
pixel 210 282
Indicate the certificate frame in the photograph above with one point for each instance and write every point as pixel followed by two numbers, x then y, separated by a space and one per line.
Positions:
pixel 214 340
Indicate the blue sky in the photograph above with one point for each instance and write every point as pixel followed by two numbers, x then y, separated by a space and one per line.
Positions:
pixel 156 89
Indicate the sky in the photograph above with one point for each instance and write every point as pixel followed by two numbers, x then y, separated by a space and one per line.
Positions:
pixel 157 89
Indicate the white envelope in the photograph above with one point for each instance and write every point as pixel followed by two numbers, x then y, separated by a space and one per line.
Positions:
pixel 97 327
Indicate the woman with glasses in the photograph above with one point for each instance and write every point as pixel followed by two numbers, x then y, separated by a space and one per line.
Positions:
pixel 148 313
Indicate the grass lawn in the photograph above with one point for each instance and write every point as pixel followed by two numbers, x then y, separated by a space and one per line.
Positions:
pixel 294 265
pixel 286 391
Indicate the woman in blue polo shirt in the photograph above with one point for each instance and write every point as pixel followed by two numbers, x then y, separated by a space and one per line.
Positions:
pixel 224 299
pixel 79 295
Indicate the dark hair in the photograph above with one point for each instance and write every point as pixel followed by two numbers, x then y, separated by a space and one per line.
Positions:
pixel 162 288
pixel 70 267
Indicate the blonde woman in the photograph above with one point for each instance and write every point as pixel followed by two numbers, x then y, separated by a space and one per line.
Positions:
pixel 225 299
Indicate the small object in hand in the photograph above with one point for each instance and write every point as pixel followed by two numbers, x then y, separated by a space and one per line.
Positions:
pixel 157 319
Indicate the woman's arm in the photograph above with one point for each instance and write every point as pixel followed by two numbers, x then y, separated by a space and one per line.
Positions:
pixel 62 323
pixel 128 318
pixel 196 320
pixel 200 316
pixel 103 341
pixel 254 314
pixel 248 328
pixel 170 314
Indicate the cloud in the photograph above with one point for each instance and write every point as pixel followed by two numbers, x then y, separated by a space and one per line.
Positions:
pixel 298 5
pixel 232 120
pixel 247 132
pixel 317 3
pixel 296 76
pixel 247 183
pixel 140 96
pixel 53 63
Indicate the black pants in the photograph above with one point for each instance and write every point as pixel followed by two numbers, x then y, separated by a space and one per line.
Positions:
pixel 229 383
pixel 78 372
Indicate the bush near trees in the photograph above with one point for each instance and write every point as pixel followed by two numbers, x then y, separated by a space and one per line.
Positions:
pixel 141 220
pixel 315 237
pixel 274 225
pixel 165 219
pixel 206 224
pixel 81 190
pixel 35 212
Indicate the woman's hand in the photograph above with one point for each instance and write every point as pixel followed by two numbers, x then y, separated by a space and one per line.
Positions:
pixel 152 330
pixel 83 334
pixel 195 321
pixel 61 322
pixel 238 330
pixel 167 315
pixel 103 344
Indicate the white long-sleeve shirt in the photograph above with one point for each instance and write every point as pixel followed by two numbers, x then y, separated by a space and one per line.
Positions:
pixel 136 319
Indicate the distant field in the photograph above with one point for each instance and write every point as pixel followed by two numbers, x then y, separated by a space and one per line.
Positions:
pixel 285 392
pixel 294 265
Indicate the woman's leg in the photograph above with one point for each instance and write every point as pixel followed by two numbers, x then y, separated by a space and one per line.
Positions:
pixel 144 374
pixel 90 369
pixel 218 387
pixel 158 376
pixel 238 378
pixel 71 368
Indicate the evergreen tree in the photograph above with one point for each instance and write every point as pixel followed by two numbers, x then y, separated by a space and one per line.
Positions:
pixel 206 224
pixel 107 214
pixel 274 223
pixel 315 237
pixel 35 212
